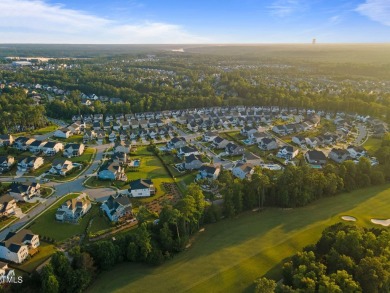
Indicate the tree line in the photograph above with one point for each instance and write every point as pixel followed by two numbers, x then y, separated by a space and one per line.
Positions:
pixel 347 258
pixel 297 186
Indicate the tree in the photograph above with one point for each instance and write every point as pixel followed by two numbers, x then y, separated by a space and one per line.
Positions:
pixel 264 285
pixel 49 280
pixel 166 237
pixel 143 241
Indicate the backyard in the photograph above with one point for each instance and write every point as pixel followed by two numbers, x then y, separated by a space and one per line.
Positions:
pixel 229 255
pixel 46 224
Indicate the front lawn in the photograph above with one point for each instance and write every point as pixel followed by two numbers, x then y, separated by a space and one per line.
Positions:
pixel 4 221
pixel 26 206
pixel 85 157
pixel 47 225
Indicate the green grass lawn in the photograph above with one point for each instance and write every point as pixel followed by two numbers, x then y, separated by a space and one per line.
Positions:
pixel 25 206
pixel 229 255
pixel 96 183
pixel 151 167
pixel 85 157
pixel 184 181
pixel 45 130
pixel 45 251
pixel 100 223
pixel 4 221
pixel 47 225
pixel 372 145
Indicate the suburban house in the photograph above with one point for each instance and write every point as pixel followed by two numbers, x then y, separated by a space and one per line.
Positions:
pixel 299 140
pixel 22 143
pixel 122 147
pixel 315 157
pixel 36 145
pixel 6 163
pixel 188 150
pixel 311 142
pixel 6 273
pixel 257 136
pixel 16 247
pixel 209 172
pixel 220 143
pixel 73 209
pixel 120 158
pixel 61 166
pixel 356 152
pixel 249 157
pixel 177 143
pixel 52 147
pixel 234 150
pixel 24 191
pixel 210 136
pixel 6 140
pixel 112 136
pixel 30 163
pixel 73 149
pixel 280 129
pixel 112 171
pixel 243 170
pixel 268 144
pixel 62 133
pixel 141 188
pixel 192 162
pixel 89 136
pixel 339 155
pixel 287 152
pixel 7 205
pixel 117 207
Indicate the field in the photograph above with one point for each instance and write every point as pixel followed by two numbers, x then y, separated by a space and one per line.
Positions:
pixel 372 145
pixel 229 255
pixel 46 225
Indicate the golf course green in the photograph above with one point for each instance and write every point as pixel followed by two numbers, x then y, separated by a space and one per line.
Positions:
pixel 229 255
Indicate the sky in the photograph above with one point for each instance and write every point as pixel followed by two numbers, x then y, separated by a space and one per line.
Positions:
pixel 194 21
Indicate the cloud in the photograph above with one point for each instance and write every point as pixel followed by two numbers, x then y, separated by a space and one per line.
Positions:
pixel 24 21
pixel 335 19
pixel 376 10
pixel 283 8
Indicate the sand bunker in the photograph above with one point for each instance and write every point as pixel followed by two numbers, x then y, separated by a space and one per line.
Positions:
pixel 385 223
pixel 348 218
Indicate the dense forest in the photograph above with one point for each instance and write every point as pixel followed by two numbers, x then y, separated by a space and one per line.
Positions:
pixel 19 113
pixel 171 81
pixel 347 258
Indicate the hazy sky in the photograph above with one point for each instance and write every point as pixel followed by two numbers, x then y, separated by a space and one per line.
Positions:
pixel 194 21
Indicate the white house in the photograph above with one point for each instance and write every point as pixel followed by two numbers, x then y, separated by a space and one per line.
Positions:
pixel 72 210
pixel 287 152
pixel 17 246
pixel 116 207
pixel 52 147
pixel 62 133
pixel 61 166
pixel 30 163
pixel 74 149
pixel 141 188
pixel 243 170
